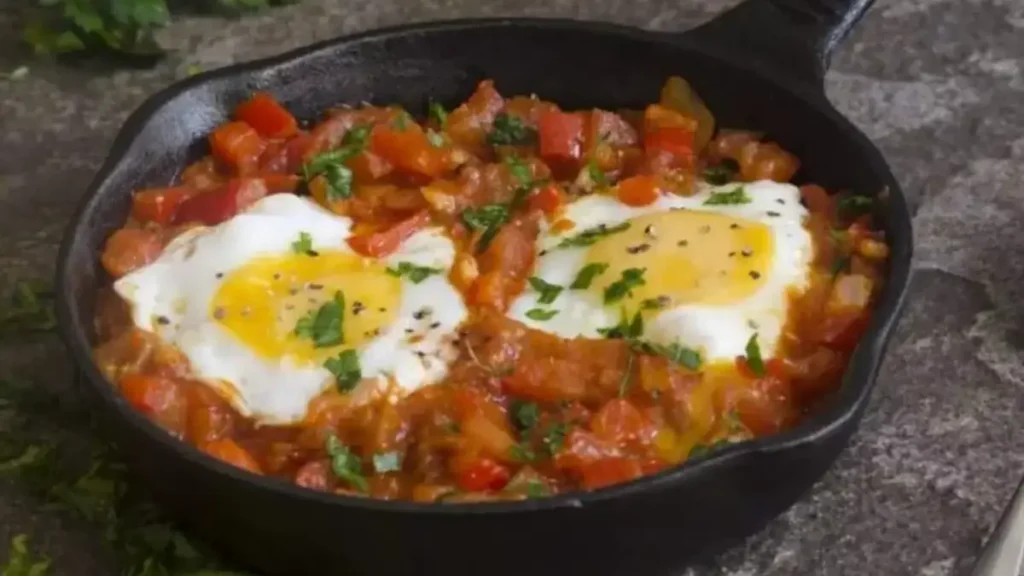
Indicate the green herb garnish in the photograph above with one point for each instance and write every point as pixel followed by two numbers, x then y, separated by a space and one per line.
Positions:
pixel 554 437
pixel 630 329
pixel 754 360
pixel 21 562
pixel 631 278
pixel 345 464
pixel 537 489
pixel 585 277
pixel 325 326
pixel 30 310
pixel 721 173
pixel 681 355
pixel 331 165
pixel 737 195
pixel 509 130
pixel 655 303
pixel 596 175
pixel 541 315
pixel 852 205
pixel 384 462
pixel 345 369
pixel 414 273
pixel 436 139
pixel 548 292
pixel 591 235
pixel 438 114
pixel 522 453
pixel 704 449
pixel 488 220
pixel 525 415
pixel 401 121
pixel 304 245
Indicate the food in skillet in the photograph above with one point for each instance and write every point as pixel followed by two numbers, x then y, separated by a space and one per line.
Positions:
pixel 503 301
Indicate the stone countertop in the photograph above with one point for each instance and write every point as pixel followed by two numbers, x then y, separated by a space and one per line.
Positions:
pixel 937 84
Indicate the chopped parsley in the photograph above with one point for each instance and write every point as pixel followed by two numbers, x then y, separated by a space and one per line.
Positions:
pixel 655 303
pixel 414 273
pixel 525 415
pixel 522 453
pixel 704 449
pixel 345 464
pixel 554 437
pixel 678 354
pixel 721 173
pixel 345 369
pixel 737 195
pixel 331 165
pixel 436 139
pixel 631 278
pixel 401 121
pixel 585 277
pixel 537 489
pixel 627 329
pixel 509 130
pixel 754 360
pixel 325 326
pixel 852 205
pixel 384 462
pixel 548 291
pixel 591 235
pixel 541 315
pixel 596 175
pixel 438 114
pixel 488 220
pixel 304 245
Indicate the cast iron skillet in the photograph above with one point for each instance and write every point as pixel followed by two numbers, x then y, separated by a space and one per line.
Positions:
pixel 759 66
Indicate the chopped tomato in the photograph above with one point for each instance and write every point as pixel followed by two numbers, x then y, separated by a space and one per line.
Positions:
pixel 484 474
pixel 621 423
pixel 159 204
pixel 237 145
pixel 217 206
pixel 493 439
pixel 468 124
pixel 547 199
pixel 129 249
pixel 380 244
pixel 267 116
pixel 368 167
pixel 227 450
pixel 817 199
pixel 277 183
pixel 766 161
pixel 602 473
pixel 638 190
pixel 672 140
pixel 408 149
pixel 561 135
pixel 157 397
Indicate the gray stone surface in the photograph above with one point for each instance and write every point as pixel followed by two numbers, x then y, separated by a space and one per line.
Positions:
pixel 938 84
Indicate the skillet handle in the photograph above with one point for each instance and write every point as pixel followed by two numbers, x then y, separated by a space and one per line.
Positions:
pixel 792 39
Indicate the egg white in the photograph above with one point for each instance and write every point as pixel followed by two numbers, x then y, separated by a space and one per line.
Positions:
pixel 172 297
pixel 720 332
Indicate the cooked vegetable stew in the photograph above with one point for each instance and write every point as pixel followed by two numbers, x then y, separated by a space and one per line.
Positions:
pixel 521 412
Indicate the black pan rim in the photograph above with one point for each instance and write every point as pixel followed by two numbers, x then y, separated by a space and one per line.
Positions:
pixel 846 406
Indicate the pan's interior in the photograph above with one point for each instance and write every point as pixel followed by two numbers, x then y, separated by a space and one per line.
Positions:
pixel 575 65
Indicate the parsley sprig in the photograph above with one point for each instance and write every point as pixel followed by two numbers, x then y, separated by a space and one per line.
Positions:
pixel 331 165
pixel 490 218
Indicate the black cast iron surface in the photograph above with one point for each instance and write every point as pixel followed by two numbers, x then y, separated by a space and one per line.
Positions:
pixel 786 547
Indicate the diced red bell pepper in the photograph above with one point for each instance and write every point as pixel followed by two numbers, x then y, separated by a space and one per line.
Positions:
pixel 547 199
pixel 227 450
pixel 623 424
pixel 237 145
pixel 673 140
pixel 219 205
pixel 484 474
pixel 277 183
pixel 159 204
pixel 159 398
pixel 267 116
pixel 408 149
pixel 602 473
pixel 129 249
pixel 638 190
pixel 380 244
pixel 561 135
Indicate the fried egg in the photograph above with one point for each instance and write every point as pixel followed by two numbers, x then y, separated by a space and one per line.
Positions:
pixel 707 271
pixel 264 303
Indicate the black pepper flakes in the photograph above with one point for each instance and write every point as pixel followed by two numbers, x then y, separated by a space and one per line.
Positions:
pixel 638 248
pixel 219 275
pixel 357 308
pixel 409 330
pixel 277 276
pixel 219 313
pixel 747 252
pixel 435 325
pixel 293 291
pixel 734 226
pixel 755 274
pixel 421 354
pixel 543 252
pixel 780 201
pixel 422 313
pixel 682 243
pixel 650 232
pixel 314 286
pixel 382 309
pixel 773 213
pixel 731 254
pixel 163 320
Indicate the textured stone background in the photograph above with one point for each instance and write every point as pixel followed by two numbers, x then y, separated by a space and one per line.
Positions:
pixel 938 84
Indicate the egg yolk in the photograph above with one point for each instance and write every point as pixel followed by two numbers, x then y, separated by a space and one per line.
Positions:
pixel 686 256
pixel 262 303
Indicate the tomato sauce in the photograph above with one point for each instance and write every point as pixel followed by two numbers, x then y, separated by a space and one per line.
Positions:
pixel 522 413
